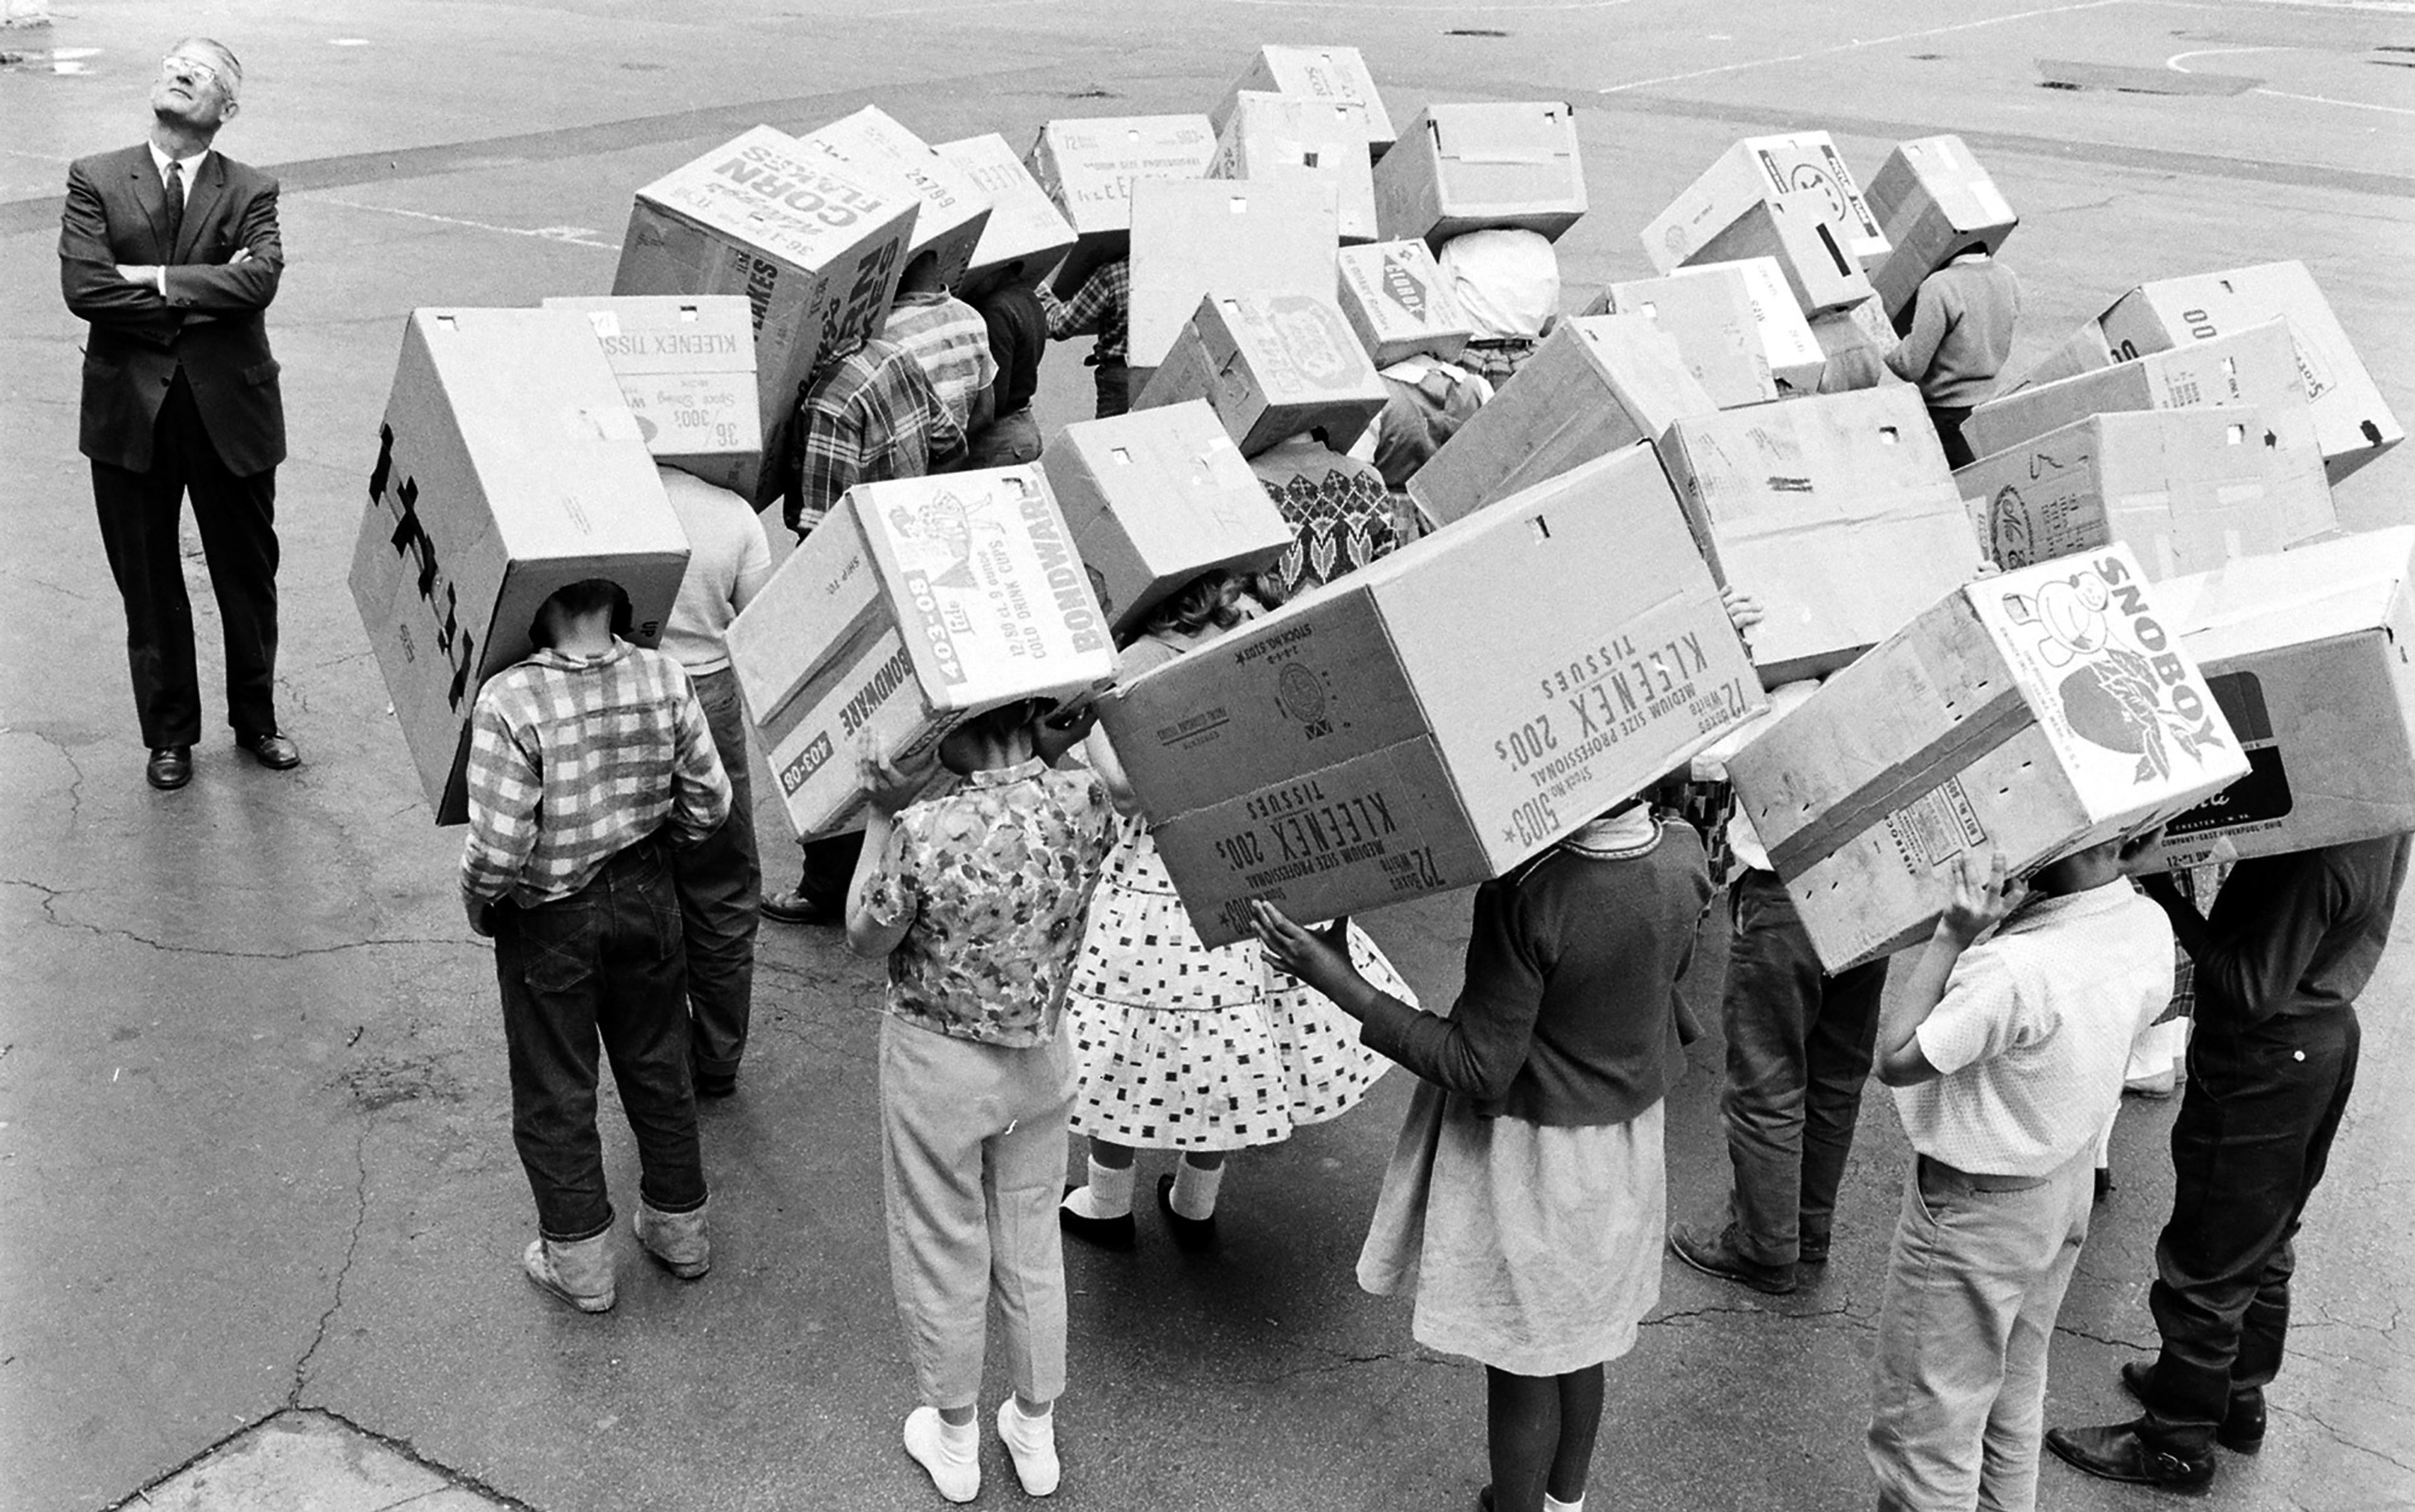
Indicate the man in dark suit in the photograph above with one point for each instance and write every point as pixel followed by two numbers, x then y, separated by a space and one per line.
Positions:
pixel 171 252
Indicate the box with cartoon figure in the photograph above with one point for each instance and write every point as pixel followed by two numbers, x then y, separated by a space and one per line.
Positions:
pixel 2034 713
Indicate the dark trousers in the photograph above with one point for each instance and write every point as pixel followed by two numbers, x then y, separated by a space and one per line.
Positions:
pixel 1009 440
pixel 237 519
pixel 602 963
pixel 1948 422
pixel 829 866
pixel 2254 1133
pixel 1799 1049
pixel 1115 388
pixel 721 895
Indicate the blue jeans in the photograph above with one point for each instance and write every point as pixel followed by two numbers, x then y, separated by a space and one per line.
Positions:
pixel 604 963
pixel 721 895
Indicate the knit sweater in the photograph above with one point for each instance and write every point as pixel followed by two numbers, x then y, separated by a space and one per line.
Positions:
pixel 1961 333
pixel 2296 934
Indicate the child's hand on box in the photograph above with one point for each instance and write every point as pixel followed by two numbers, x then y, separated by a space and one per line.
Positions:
pixel 1058 731
pixel 1981 902
pixel 1319 957
pixel 1744 610
pixel 889 786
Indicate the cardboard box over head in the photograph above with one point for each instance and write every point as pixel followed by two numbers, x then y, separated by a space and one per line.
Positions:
pixel 2307 655
pixel 1088 167
pixel 1713 323
pixel 815 251
pixel 2254 367
pixel 508 467
pixel 2034 713
pixel 686 365
pixel 1933 201
pixel 914 603
pixel 1394 295
pixel 1441 716
pixel 1337 74
pixel 1796 358
pixel 1272 367
pixel 1027 236
pixel 1276 136
pixel 2187 489
pixel 1800 166
pixel 1154 499
pixel 1819 272
pixel 1461 168
pixel 1225 238
pixel 1838 512
pixel 955 209
pixel 1597 384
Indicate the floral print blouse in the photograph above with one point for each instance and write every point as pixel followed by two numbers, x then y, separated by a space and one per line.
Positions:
pixel 997 878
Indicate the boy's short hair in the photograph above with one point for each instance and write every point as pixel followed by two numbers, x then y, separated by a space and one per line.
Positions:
pixel 584 597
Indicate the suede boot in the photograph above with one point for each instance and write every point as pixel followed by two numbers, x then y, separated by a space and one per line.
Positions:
pixel 677 1241
pixel 579 1272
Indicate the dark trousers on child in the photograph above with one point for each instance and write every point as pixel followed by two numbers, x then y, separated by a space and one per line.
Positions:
pixel 604 963
pixel 1115 388
pixel 2253 1136
pixel 721 895
pixel 1948 421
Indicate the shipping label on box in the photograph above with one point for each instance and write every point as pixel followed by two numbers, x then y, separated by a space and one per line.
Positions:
pixel 1713 323
pixel 1803 166
pixel 815 251
pixel 1156 498
pixel 1218 237
pixel 1796 358
pixel 1349 750
pixel 1285 136
pixel 1026 234
pixel 954 208
pixel 1272 367
pixel 1336 74
pixel 919 602
pixel 1463 168
pixel 2250 368
pixel 686 365
pixel 1933 201
pixel 1394 295
pixel 1088 167
pixel 508 467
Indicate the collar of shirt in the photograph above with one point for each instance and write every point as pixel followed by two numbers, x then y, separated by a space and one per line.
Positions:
pixel 1630 829
pixel 159 162
pixel 926 296
pixel 2036 909
pixel 564 662
pixel 1005 776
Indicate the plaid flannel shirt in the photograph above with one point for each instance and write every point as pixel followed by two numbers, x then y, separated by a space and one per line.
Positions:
pixel 573 760
pixel 869 417
pixel 1101 306
pixel 950 340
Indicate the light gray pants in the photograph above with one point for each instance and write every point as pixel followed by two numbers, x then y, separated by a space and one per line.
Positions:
pixel 972 1147
pixel 1973 1282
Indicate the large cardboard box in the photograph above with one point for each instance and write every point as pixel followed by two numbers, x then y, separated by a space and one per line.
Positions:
pixel 2254 367
pixel 2034 713
pixel 1597 384
pixel 916 602
pixel 1838 512
pixel 1932 200
pixel 1461 168
pixel 2084 352
pixel 1796 358
pixel 1856 341
pixel 1088 167
pixel 815 251
pixel 1155 498
pixel 955 209
pixel 1438 716
pixel 1328 73
pixel 1272 367
pixel 1219 237
pixel 1394 295
pixel 1819 272
pixel 2352 419
pixel 2187 489
pixel 1027 236
pixel 686 365
pixel 508 467
pixel 2307 654
pixel 1800 166
pixel 1712 321
pixel 1274 137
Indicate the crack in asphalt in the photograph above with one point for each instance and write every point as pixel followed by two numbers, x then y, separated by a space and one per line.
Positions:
pixel 2109 1341
pixel 1747 1310
pixel 351 1252
pixel 1337 1359
pixel 51 895
pixel 2344 1441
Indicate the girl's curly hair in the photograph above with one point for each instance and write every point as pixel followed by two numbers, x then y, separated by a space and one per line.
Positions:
pixel 1212 601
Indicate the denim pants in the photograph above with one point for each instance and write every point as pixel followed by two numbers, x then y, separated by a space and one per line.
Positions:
pixel 721 895
pixel 1974 1280
pixel 1009 441
pixel 1115 389
pixel 604 963
pixel 1799 1049
pixel 2251 1141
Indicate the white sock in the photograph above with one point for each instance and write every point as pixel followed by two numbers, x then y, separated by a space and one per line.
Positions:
pixel 1031 1443
pixel 1108 1195
pixel 1194 1190
pixel 951 1452
pixel 1552 1504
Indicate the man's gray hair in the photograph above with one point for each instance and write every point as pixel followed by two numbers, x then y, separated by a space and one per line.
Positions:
pixel 232 73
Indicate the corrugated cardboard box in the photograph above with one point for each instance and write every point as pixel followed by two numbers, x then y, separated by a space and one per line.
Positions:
pixel 914 603
pixel 508 467
pixel 2034 713
pixel 1819 272
pixel 1795 359
pixel 1025 226
pixel 1272 367
pixel 1461 168
pixel 1217 236
pixel 1712 321
pixel 686 365
pixel 2186 489
pixel 1836 513
pixel 1329 73
pixel 955 208
pixel 2084 352
pixel 1088 167
pixel 2254 367
pixel 1154 499
pixel 815 251
pixel 1275 137
pixel 1597 384
pixel 1437 717
pixel 1394 295
pixel 1856 341
pixel 1800 166
pixel 1932 200
pixel 2307 653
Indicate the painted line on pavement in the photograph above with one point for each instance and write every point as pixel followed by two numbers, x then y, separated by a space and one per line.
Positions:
pixel 573 235
pixel 2173 63
pixel 1852 45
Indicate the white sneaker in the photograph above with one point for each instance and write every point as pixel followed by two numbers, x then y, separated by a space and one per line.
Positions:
pixel 1031 1444
pixel 954 1470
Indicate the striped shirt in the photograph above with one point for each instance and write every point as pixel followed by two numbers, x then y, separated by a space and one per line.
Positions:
pixel 869 417
pixel 1102 307
pixel 950 340
pixel 574 759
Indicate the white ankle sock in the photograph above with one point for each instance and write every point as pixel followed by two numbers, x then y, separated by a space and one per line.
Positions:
pixel 1194 1190
pixel 951 1452
pixel 1108 1194
pixel 1552 1504
pixel 1031 1444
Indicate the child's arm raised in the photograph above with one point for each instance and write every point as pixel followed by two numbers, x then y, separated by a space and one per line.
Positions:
pixel 1977 906
pixel 881 896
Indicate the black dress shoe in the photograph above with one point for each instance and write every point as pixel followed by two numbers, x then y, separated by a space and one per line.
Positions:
pixel 2116 1452
pixel 273 751
pixel 1191 1235
pixel 1107 1233
pixel 170 767
pixel 2241 1431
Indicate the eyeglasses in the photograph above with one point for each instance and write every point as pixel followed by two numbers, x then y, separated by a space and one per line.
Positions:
pixel 176 65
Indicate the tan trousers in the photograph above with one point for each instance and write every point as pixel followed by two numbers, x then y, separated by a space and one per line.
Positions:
pixel 972 1145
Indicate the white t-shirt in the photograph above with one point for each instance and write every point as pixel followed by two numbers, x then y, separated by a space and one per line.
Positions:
pixel 728 560
pixel 1507 281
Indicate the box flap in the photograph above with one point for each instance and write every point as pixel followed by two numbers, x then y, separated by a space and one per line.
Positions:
pixel 2315 592
pixel 1502 133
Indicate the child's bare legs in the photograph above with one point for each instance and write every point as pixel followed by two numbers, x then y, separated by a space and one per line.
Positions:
pixel 1542 1430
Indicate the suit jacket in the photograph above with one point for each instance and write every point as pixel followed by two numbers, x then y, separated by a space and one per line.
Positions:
pixel 211 324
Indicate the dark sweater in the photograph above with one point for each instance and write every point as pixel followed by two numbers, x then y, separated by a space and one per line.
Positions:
pixel 1569 1016
pixel 2293 935
pixel 1018 329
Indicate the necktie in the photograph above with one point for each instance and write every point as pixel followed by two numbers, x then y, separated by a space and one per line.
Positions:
pixel 175 208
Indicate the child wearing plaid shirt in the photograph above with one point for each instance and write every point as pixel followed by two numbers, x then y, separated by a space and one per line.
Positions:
pixel 580 758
